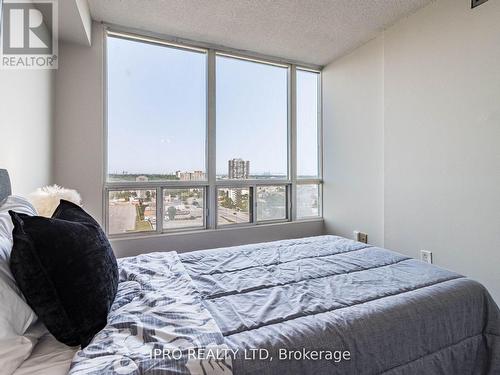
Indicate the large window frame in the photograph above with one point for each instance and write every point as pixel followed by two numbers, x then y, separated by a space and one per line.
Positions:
pixel 212 184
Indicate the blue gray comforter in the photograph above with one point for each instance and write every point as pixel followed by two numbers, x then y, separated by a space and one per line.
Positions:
pixel 328 305
pixel 320 305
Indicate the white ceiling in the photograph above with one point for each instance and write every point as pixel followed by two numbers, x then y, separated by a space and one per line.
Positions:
pixel 310 31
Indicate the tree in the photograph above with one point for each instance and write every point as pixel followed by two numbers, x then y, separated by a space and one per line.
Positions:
pixel 140 211
pixel 227 202
pixel 171 211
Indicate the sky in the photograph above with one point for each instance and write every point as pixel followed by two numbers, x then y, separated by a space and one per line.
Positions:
pixel 157 112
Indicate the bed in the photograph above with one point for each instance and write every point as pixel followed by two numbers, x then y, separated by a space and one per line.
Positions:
pixel 318 305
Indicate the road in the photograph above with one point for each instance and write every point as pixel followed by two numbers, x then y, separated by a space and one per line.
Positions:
pixel 185 221
pixel 229 216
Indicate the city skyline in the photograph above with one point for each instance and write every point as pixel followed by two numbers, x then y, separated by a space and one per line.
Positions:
pixel 237 168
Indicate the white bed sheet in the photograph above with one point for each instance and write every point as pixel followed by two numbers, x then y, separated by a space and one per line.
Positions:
pixel 49 357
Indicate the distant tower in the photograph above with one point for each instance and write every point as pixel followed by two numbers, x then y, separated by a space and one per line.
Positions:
pixel 238 169
pixel 236 196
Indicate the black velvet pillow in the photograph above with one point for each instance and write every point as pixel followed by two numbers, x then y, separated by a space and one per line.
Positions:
pixel 67 271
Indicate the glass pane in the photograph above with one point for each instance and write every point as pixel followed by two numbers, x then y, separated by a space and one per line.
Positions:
pixel 307 201
pixel 233 206
pixel 271 203
pixel 183 208
pixel 252 119
pixel 132 211
pixel 307 124
pixel 156 112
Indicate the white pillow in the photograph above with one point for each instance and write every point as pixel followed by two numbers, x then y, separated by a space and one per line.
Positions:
pixel 15 314
pixel 16 317
pixel 18 329
pixel 17 204
pixel 15 350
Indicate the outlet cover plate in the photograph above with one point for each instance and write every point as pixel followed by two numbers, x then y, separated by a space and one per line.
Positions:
pixel 360 236
pixel 426 256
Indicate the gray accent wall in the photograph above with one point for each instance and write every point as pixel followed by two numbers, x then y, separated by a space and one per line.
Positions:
pixel 440 137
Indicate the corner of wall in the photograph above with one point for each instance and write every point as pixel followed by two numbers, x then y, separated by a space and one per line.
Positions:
pixel 79 133
pixel 86 18
pixel 353 129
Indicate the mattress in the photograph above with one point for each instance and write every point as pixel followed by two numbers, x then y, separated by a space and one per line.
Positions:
pixel 319 305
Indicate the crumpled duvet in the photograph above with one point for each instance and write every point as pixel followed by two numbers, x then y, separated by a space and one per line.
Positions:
pixel 157 325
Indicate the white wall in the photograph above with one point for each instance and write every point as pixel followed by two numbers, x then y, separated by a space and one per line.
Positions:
pixel 441 137
pixel 353 143
pixel 216 238
pixel 79 156
pixel 78 138
pixel 26 119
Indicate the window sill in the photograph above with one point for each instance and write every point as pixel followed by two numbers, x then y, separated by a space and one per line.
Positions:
pixel 146 235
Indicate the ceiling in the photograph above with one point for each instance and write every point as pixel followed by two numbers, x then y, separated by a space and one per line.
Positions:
pixel 308 31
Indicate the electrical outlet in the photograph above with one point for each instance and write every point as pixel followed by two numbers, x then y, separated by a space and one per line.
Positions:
pixel 426 256
pixel 360 236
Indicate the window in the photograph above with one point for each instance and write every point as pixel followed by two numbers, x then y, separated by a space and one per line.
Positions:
pixel 307 124
pixel 199 138
pixel 308 201
pixel 131 211
pixel 271 203
pixel 183 208
pixel 308 186
pixel 252 119
pixel 156 112
pixel 233 206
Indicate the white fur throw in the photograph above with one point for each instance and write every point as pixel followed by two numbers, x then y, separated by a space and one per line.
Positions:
pixel 46 199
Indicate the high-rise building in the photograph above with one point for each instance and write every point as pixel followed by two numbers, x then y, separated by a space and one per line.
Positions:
pixel 236 196
pixel 141 193
pixel 238 169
